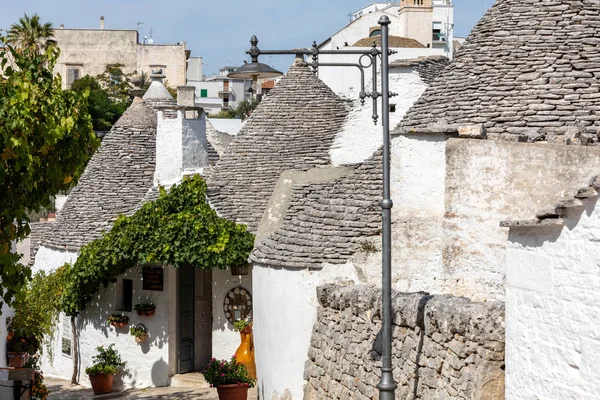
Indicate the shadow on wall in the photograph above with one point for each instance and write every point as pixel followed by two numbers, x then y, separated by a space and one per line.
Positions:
pixel 551 233
pixel 377 349
pixel 95 316
pixel 160 369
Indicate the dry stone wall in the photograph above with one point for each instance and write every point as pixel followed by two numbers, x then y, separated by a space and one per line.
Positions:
pixel 444 347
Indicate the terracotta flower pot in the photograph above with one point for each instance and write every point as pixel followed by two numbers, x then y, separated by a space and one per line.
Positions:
pixel 148 313
pixel 101 383
pixel 141 339
pixel 232 392
pixel 17 359
pixel 119 324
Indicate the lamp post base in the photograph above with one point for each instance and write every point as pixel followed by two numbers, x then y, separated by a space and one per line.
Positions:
pixel 386 385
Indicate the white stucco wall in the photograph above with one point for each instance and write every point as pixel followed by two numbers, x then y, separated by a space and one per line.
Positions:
pixel 171 156
pixel 360 29
pixel 553 309
pixel 225 340
pixel 5 392
pixel 284 314
pixel 147 363
pixel 345 81
pixel 360 137
pixel 47 259
pixel 230 126
pixel 418 171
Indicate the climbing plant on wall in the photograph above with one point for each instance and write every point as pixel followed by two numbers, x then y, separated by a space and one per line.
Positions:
pixel 179 228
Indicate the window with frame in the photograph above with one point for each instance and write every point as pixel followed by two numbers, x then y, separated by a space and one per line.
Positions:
pixel 66 339
pixel 203 92
pixel 73 73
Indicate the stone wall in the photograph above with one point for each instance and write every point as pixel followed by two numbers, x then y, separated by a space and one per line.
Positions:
pixel 443 346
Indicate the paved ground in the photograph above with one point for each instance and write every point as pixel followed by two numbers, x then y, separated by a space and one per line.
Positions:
pixel 60 389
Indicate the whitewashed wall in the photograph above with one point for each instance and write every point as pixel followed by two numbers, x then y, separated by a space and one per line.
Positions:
pixel 5 392
pixel 285 309
pixel 361 137
pixel 180 145
pixel 553 309
pixel 345 81
pixel 147 363
pixel 47 259
pixel 225 340
pixel 450 195
pixel 230 126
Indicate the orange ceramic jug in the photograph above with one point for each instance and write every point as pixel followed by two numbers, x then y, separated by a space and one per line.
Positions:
pixel 245 353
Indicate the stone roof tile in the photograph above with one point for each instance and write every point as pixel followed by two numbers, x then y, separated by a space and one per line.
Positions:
pixel 528 68
pixel 115 181
pixel 327 222
pixel 292 129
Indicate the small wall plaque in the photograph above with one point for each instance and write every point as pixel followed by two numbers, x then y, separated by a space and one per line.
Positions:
pixel 153 278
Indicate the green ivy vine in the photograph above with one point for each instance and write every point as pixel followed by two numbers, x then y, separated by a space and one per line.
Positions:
pixel 179 229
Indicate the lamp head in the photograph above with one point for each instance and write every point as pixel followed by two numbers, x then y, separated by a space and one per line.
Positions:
pixel 254 70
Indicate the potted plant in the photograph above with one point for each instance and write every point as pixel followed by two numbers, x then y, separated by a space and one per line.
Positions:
pixel 19 348
pixel 145 309
pixel 231 378
pixel 118 320
pixel 106 364
pixel 140 332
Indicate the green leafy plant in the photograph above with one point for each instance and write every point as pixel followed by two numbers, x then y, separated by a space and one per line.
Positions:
pixel 368 247
pixel 117 319
pixel 179 228
pixel 144 307
pixel 138 331
pixel 223 372
pixel 46 139
pixel 37 314
pixel 241 324
pixel 107 361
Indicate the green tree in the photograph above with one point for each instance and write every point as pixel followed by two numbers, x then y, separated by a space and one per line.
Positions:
pixel 109 96
pixel 46 139
pixel 30 34
pixel 102 109
pixel 245 108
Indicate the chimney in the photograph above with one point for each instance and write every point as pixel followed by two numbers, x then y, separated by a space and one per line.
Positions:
pixel 102 22
pixel 185 96
pixel 62 26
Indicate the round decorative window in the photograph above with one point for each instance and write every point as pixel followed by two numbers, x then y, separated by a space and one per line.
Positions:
pixel 237 304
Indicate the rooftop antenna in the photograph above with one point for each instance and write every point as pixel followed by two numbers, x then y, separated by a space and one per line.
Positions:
pixel 350 15
pixel 150 38
pixel 140 25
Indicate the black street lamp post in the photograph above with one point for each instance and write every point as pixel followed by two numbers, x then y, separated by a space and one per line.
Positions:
pixel 255 70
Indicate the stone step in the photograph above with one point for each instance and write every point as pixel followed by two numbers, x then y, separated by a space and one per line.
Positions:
pixel 190 380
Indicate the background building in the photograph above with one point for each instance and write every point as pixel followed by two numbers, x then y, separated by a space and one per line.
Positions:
pixel 220 93
pixel 90 51
pixel 418 29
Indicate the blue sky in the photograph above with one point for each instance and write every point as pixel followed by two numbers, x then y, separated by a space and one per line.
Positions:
pixel 219 31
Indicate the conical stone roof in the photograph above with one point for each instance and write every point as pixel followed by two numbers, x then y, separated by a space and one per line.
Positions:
pixel 529 70
pixel 292 129
pixel 115 181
